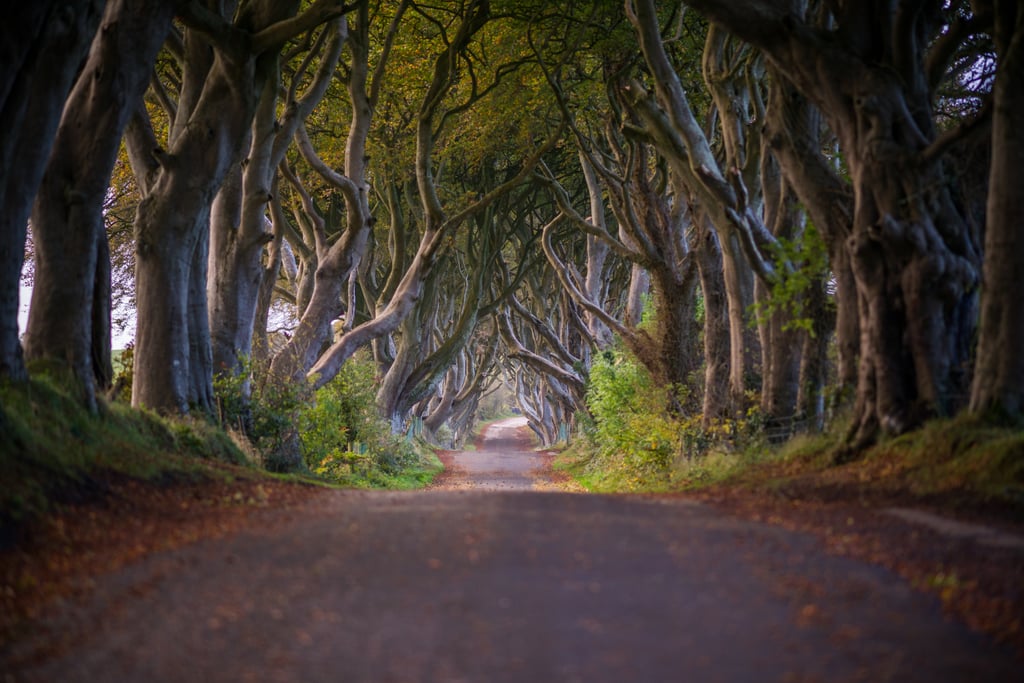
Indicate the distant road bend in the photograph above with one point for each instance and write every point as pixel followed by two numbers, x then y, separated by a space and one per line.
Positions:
pixel 482 579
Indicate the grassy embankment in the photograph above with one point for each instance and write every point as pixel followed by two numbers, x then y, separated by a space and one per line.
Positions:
pixel 963 461
pixel 53 452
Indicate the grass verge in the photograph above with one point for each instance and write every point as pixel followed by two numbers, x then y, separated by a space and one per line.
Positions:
pixel 965 462
pixel 54 452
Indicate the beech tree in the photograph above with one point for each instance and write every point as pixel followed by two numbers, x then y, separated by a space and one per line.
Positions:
pixel 698 180
pixel 456 399
pixel 504 184
pixel 999 374
pixel 239 224
pixel 796 136
pixel 872 74
pixel 227 59
pixel 435 110
pixel 335 263
pixel 43 44
pixel 460 295
pixel 71 300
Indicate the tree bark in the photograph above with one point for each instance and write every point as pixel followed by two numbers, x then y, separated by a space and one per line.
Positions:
pixel 716 325
pixel 69 322
pixel 219 95
pixel 810 400
pixel 43 45
pixel 419 367
pixel 911 251
pixel 335 264
pixel 793 136
pixel 238 237
pixel 999 373
pixel 268 278
pixel 780 347
pixel 731 197
pixel 597 254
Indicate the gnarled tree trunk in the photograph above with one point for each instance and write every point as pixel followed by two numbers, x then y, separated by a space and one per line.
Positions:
pixel 793 135
pixel 43 45
pixel 716 325
pixel 999 373
pixel 911 251
pixel 220 89
pixel 239 235
pixel 70 314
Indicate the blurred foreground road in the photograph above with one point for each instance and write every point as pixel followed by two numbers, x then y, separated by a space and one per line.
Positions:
pixel 485 580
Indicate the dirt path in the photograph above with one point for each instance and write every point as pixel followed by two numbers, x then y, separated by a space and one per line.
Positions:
pixel 503 585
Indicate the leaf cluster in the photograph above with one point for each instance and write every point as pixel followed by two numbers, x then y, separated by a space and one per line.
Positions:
pixel 344 438
pixel 788 293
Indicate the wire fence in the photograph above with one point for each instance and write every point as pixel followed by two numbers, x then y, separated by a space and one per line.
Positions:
pixel 777 430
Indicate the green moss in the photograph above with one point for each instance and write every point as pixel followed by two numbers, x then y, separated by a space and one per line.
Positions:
pixel 964 460
pixel 53 449
pixel 966 455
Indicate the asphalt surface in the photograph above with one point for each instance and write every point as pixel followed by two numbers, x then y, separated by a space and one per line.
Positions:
pixel 505 461
pixel 504 585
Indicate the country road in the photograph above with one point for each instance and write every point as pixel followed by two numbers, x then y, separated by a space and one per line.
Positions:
pixel 483 579
pixel 506 461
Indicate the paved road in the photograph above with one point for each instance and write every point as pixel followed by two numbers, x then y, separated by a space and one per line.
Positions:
pixel 484 585
pixel 505 461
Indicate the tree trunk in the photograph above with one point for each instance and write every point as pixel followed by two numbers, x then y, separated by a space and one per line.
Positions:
pixel 814 358
pixel 216 107
pixel 237 243
pixel 70 310
pixel 223 297
pixel 915 269
pixel 677 332
pixel 780 347
pixel 43 45
pixel 268 279
pixel 639 284
pixel 597 254
pixel 164 252
pixel 739 296
pixel 636 295
pixel 393 388
pixel 999 373
pixel 793 136
pixel 335 265
pixel 102 305
pixel 200 365
pixel 911 251
pixel 716 325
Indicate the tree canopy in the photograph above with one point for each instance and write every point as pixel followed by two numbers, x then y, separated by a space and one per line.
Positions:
pixel 802 207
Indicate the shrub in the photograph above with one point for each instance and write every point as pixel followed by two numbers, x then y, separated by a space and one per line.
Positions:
pixel 630 428
pixel 345 439
pixel 632 440
pixel 263 410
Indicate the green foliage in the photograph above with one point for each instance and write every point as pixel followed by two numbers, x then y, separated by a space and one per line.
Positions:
pixel 632 441
pixel 809 256
pixel 648 313
pixel 263 410
pixel 344 438
pixel 630 437
pixel 123 362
